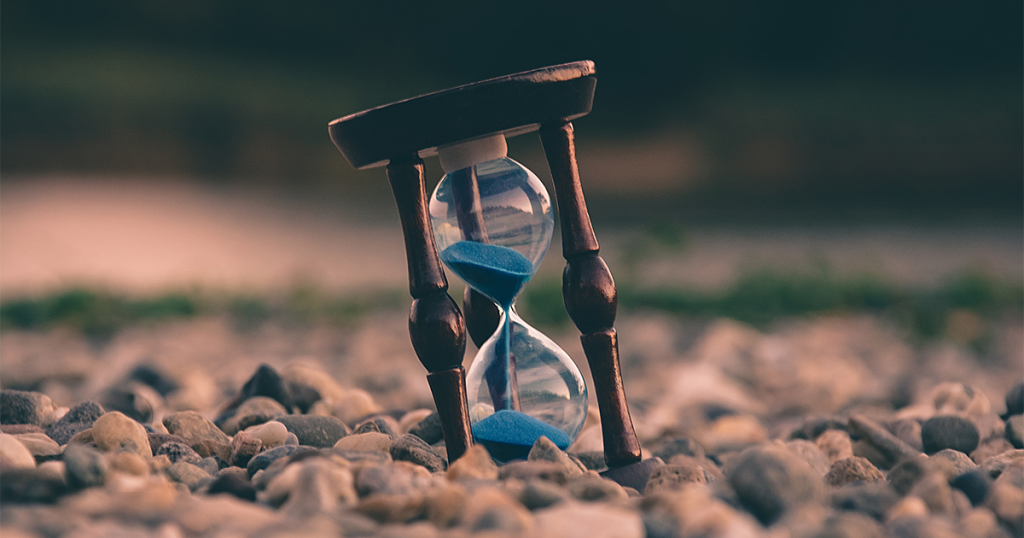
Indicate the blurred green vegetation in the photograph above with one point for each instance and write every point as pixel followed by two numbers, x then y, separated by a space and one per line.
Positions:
pixel 959 308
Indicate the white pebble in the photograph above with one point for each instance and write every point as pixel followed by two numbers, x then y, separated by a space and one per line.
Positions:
pixel 271 433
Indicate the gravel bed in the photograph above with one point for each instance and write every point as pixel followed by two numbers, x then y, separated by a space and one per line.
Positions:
pixel 831 426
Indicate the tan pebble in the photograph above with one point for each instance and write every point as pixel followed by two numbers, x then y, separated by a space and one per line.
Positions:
pixel 131 463
pixel 39 444
pixel 370 441
pixel 444 507
pixel 13 454
pixel 836 445
pixel 271 433
pixel 302 372
pixel 907 507
pixel 115 431
pixel 83 437
pixel 54 468
pixel 732 432
pixel 158 463
pixel 349 407
pixel 488 504
pixel 474 463
pixel 411 419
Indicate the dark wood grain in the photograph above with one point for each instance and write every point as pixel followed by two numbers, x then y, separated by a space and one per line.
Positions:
pixel 449 390
pixel 590 296
pixel 436 326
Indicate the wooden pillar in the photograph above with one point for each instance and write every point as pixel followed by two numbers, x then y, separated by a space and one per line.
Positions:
pixel 436 326
pixel 590 296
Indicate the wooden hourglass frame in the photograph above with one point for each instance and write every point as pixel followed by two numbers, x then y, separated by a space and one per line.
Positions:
pixel 399 135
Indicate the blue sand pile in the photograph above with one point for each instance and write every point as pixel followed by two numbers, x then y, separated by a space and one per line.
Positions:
pixel 509 435
pixel 498 272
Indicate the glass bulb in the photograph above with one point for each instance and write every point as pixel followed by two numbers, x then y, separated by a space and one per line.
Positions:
pixel 492 223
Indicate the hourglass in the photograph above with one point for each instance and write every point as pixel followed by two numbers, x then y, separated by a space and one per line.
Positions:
pixel 489 220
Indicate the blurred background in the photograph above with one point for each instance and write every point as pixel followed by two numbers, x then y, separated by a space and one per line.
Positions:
pixel 151 146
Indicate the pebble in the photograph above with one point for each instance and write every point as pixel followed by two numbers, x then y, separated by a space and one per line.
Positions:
pixel 30 485
pixel 853 469
pixel 264 459
pixel 39 444
pixel 475 464
pixel 953 398
pixel 835 444
pixel 904 475
pixel 489 509
pixel 990 449
pixel 253 411
pixel 85 466
pixel 974 484
pixel 188 474
pixel 1006 500
pixel 670 446
pixel 732 432
pixel 128 462
pixel 852 525
pixel 199 433
pixel 1015 431
pixel 872 500
pixel 537 494
pixel 271 434
pixel 949 431
pixel 539 470
pixel 23 407
pixel 545 450
pixel 13 454
pixel 582 520
pixel 77 419
pixel 1015 400
pixel 673 477
pixel 990 426
pixel 17 429
pixel 413 418
pixel 365 441
pixel 233 484
pixel 380 424
pixel 398 479
pixel 266 382
pixel 909 431
pixel 814 426
pixel 349 407
pixel 995 465
pixel 592 460
pixel 155 378
pixel 952 463
pixel 770 480
pixel 810 453
pixel 393 508
pixel 362 456
pixel 313 430
pixel 415 450
pixel 590 487
pixel 934 490
pixel 135 400
pixel 114 431
pixel 891 447
pixel 243 447
pixel 178 452
pixel 320 486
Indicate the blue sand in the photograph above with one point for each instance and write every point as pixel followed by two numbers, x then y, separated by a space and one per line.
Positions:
pixel 497 272
pixel 511 434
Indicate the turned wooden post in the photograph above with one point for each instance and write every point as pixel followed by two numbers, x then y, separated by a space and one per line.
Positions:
pixel 436 325
pixel 590 296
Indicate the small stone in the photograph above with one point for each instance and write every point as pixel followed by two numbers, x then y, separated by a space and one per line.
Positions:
pixel 78 418
pixel 188 474
pixel 952 463
pixel 243 447
pixel 135 400
pixel 21 407
pixel 445 504
pixel 393 508
pixel 990 449
pixel 312 377
pixel 974 484
pixel 670 446
pixel 362 456
pixel 538 494
pixel 18 429
pixel 381 424
pixel 852 525
pixel 995 465
pixel 934 490
pixel 85 466
pixel 949 431
pixel 904 475
pixel 810 453
pixel 233 484
pixel 155 378
pixel 592 460
pixel 1015 431
pixel 770 480
pixel 365 441
pixel 952 398
pixel 211 465
pixel 271 434
pixel 413 449
pixel 320 486
pixel 712 472
pixel 581 520
pixel 13 454
pixel 474 464
pixel 673 478
pixel 29 485
pixel 114 431
pixel 907 507
pixel 980 523
pixel 399 478
pixel 873 500
pixel 429 429
pixel 412 419
pixel 1006 500
pixel 491 509
pixel 835 444
pixel 266 382
pixel 158 439
pixel 635 475
pixel 291 439
pixel 539 470
pixel 178 452
pixel 889 447
pixel 732 432
pixel 313 430
pixel 1015 400
pixel 813 427
pixel 253 411
pixel 351 406
pixel 908 431
pixel 264 459
pixel 130 463
pixel 852 469
pixel 590 487
pixel 199 433
pixel 545 450
pixel 990 426
pixel 39 444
